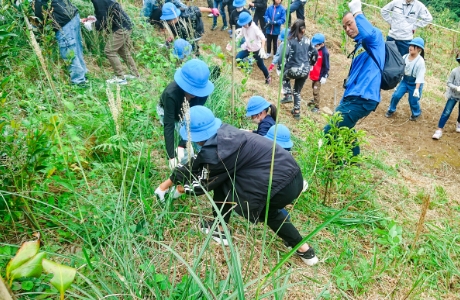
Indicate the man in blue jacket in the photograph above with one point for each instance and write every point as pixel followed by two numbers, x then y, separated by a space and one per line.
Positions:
pixel 362 87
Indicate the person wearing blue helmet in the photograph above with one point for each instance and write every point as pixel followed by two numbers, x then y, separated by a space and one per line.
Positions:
pixel 275 16
pixel 257 109
pixel 182 49
pixel 155 10
pixel 239 8
pixel 320 71
pixel 191 83
pixel 235 164
pixel 283 136
pixel 412 82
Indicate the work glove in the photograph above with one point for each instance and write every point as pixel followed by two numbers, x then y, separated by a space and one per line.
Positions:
pixel 262 53
pixel 458 88
pixel 270 68
pixel 355 6
pixel 215 12
pixel 172 163
pixel 323 80
pixel 229 47
pixel 416 93
pixel 88 25
pixel 160 194
pixel 176 194
pixel 180 154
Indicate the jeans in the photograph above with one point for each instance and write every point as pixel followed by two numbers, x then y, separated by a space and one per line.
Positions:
pixel 220 6
pixel 403 46
pixel 405 87
pixel 119 43
pixel 353 109
pixel 299 8
pixel 71 48
pixel 260 63
pixel 451 102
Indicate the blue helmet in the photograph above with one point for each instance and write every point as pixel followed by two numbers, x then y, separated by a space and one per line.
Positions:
pixel 284 32
pixel 317 39
pixel 283 136
pixel 244 18
pixel 203 124
pixel 239 3
pixel 193 78
pixel 256 105
pixel 182 48
pixel 169 12
pixel 419 42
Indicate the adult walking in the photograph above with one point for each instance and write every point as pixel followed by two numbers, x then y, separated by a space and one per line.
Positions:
pixel 235 164
pixel 297 6
pixel 66 25
pixel 404 17
pixel 362 87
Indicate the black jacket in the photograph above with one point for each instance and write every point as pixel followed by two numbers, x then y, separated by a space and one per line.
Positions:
pixel 110 16
pixel 63 11
pixel 260 4
pixel 234 17
pixel 238 163
pixel 300 54
pixel 171 101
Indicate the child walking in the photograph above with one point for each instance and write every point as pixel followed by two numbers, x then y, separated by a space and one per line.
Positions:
pixel 257 109
pixel 320 70
pixel 275 16
pixel 254 43
pixel 412 82
pixel 453 96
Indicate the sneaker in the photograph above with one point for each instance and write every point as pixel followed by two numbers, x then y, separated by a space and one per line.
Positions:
pixel 267 56
pixel 437 134
pixel 116 80
pixel 457 129
pixel 295 114
pixel 315 110
pixel 210 16
pixel 218 236
pixel 388 114
pixel 308 257
pixel 214 27
pixel 225 27
pixel 130 77
pixel 414 118
pixel 287 99
pixel 268 80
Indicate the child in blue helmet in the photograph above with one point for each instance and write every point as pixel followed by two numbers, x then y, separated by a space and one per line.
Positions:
pixel 283 136
pixel 320 70
pixel 412 82
pixel 235 14
pixel 257 109
pixel 182 49
pixel 275 16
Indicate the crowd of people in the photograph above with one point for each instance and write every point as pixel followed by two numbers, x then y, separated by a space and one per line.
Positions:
pixel 222 157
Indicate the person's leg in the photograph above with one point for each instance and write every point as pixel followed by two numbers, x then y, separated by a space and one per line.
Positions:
pixel 260 15
pixel 114 43
pixel 242 55
pixel 294 7
pixel 298 85
pixel 316 86
pixel 79 54
pixel 287 90
pixel 125 52
pixel 222 13
pixel 397 95
pixel 214 18
pixel 260 64
pixel 269 43
pixel 275 43
pixel 450 104
pixel 403 47
pixel 300 12
pixel 414 102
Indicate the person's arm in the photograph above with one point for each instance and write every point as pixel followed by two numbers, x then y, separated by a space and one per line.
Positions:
pixel 424 18
pixel 451 80
pixel 169 122
pixel 312 54
pixel 282 19
pixel 421 70
pixel 100 12
pixel 325 67
pixel 386 12
pixel 277 56
pixel 263 128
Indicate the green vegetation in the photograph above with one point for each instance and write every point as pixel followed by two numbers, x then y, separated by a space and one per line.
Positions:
pixel 85 180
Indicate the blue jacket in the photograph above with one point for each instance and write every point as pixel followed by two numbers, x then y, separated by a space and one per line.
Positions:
pixel 275 16
pixel 365 77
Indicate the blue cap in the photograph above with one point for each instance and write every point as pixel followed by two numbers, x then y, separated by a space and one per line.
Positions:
pixel 256 105
pixel 169 12
pixel 203 124
pixel 244 18
pixel 182 48
pixel 193 78
pixel 317 39
pixel 419 42
pixel 283 136
pixel 283 33
pixel 239 3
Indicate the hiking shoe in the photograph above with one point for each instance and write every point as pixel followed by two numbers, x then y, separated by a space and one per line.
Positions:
pixel 457 129
pixel 218 236
pixel 388 114
pixel 295 114
pixel 117 80
pixel 308 257
pixel 225 27
pixel 130 77
pixel 268 80
pixel 214 27
pixel 414 118
pixel 286 99
pixel 437 134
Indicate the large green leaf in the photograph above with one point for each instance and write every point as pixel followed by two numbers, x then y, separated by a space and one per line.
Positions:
pixel 26 252
pixel 31 268
pixel 63 275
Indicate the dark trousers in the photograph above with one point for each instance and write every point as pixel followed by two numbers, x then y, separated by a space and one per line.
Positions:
pixel 272 39
pixel 403 46
pixel 259 18
pixel 277 219
pixel 316 86
pixel 260 62
pixel 298 85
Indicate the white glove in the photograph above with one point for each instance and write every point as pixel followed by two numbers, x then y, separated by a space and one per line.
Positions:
pixel 172 163
pixel 355 6
pixel 262 53
pixel 176 194
pixel 88 25
pixel 229 47
pixel 180 154
pixel 160 194
pixel 416 93
pixel 323 80
pixel 458 88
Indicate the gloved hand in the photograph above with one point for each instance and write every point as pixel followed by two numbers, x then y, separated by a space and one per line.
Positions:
pixel 180 154
pixel 458 88
pixel 229 47
pixel 323 80
pixel 416 93
pixel 160 194
pixel 355 6
pixel 215 12
pixel 172 163
pixel 262 53
pixel 88 25
pixel 268 21
pixel 176 194
pixel 270 68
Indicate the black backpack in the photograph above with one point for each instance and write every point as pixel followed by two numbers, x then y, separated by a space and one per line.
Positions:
pixel 393 69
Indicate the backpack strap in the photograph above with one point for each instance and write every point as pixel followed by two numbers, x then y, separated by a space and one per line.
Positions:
pixel 372 56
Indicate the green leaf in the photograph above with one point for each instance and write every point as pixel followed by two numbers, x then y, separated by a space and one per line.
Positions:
pixel 63 275
pixel 26 252
pixel 32 268
pixel 69 105
pixel 27 285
